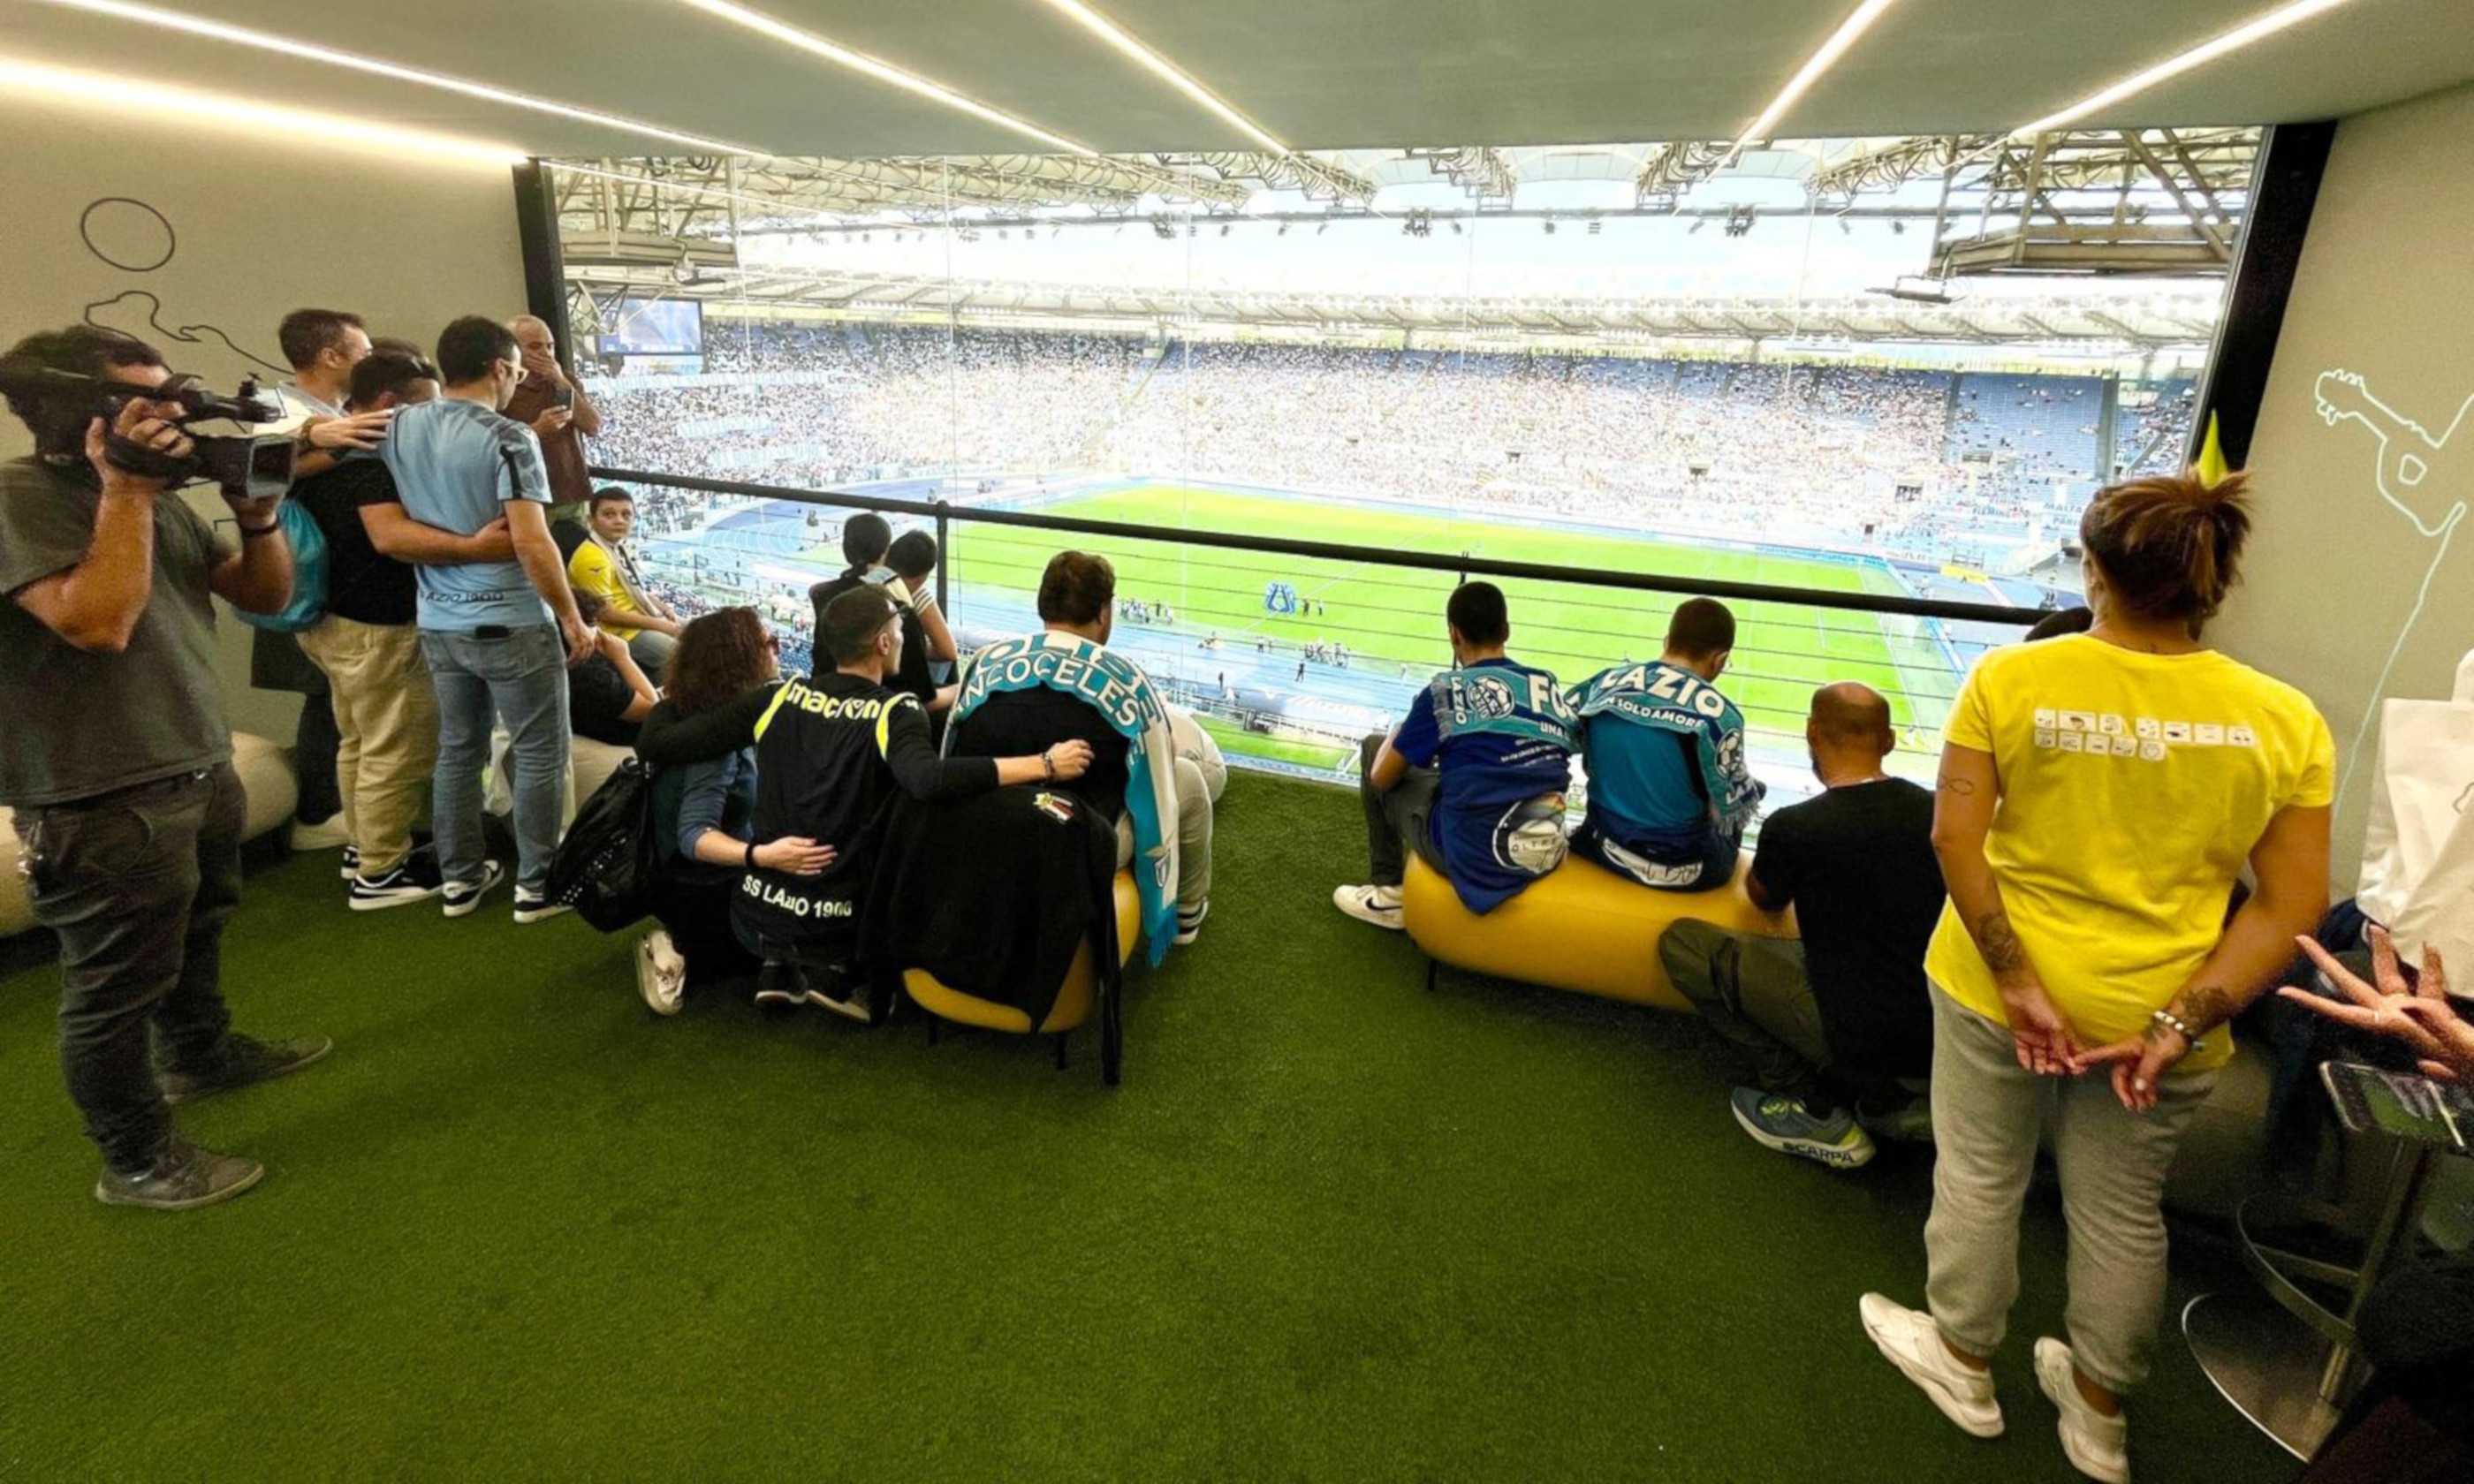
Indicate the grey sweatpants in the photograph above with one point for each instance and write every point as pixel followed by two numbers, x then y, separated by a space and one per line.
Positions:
pixel 1987 1111
pixel 1193 837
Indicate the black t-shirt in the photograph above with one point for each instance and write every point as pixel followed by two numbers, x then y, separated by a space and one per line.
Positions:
pixel 363 584
pixel 597 696
pixel 1858 866
pixel 1024 723
pixel 831 753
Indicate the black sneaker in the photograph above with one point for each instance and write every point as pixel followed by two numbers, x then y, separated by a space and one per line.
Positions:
pixel 245 1060
pixel 532 904
pixel 352 861
pixel 462 896
pixel 844 994
pixel 182 1177
pixel 779 985
pixel 414 878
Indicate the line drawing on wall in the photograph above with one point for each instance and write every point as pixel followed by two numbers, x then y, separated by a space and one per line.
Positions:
pixel 2407 460
pixel 130 235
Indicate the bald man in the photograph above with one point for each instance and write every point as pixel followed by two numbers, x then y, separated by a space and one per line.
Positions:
pixel 562 417
pixel 1824 1029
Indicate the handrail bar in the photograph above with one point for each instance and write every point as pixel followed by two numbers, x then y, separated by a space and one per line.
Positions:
pixel 1465 566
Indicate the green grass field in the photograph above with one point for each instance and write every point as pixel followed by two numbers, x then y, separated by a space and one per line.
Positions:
pixel 1783 651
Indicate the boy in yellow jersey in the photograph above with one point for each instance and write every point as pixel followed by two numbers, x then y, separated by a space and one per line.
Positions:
pixel 604 565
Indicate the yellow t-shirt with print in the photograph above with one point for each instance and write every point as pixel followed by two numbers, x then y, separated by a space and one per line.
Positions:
pixel 591 570
pixel 2133 788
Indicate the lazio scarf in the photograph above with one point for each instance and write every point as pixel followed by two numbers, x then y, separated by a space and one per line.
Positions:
pixel 1118 689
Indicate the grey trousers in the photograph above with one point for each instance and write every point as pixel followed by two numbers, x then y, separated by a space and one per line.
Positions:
pixel 1987 1111
pixel 1755 995
pixel 1193 838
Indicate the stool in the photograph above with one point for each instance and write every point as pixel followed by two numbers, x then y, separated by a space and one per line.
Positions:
pixel 1579 927
pixel 1076 999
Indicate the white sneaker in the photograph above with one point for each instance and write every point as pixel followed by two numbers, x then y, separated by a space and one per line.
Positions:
pixel 532 905
pixel 459 897
pixel 1909 1339
pixel 1379 905
pixel 2098 1446
pixel 661 974
pixel 325 835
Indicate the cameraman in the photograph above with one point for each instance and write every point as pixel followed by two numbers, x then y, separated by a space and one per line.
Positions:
pixel 119 764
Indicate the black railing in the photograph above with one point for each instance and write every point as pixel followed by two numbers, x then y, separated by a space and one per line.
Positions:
pixel 944 513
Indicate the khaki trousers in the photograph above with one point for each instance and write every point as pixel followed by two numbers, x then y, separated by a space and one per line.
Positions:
pixel 387 715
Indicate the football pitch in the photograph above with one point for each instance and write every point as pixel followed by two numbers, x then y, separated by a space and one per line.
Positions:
pixel 1389 619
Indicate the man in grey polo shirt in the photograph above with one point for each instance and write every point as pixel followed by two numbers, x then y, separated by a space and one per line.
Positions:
pixel 499 635
pixel 119 766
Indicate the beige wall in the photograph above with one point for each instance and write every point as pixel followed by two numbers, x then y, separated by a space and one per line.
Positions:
pixel 2386 292
pixel 258 225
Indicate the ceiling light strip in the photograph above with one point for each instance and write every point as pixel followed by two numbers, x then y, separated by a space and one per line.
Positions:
pixel 239 36
pixel 2206 52
pixel 116 94
pixel 1166 71
pixel 883 71
pixel 1814 66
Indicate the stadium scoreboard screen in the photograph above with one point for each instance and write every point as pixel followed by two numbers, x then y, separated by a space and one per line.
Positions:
pixel 656 326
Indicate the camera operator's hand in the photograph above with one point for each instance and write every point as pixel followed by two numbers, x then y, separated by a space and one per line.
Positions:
pixel 553 419
pixel 135 423
pixel 362 430
pixel 583 640
pixel 253 514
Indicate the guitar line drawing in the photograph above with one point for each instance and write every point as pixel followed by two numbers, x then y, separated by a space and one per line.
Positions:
pixel 2406 461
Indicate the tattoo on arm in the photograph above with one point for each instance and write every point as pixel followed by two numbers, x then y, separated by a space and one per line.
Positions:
pixel 2202 1007
pixel 1999 943
pixel 1953 784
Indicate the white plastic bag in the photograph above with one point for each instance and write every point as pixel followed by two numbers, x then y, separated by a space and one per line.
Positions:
pixel 2418 849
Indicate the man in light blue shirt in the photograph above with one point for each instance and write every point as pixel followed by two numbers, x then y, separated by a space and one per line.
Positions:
pixel 497 636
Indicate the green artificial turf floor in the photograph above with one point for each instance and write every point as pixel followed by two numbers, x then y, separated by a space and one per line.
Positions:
pixel 1333 1226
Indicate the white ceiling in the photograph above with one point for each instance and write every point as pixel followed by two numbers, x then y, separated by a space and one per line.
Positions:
pixel 1318 74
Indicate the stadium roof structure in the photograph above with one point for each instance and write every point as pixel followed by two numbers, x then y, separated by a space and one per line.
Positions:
pixel 2136 321
pixel 2158 201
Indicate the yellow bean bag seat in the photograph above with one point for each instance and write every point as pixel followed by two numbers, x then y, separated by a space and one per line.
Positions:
pixel 1075 1002
pixel 1581 927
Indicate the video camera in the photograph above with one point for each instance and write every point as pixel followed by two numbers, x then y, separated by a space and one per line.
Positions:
pixel 248 466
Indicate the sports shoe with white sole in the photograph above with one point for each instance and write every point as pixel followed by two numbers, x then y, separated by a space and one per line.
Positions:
pixel 661 974
pixel 462 896
pixel 532 905
pixel 1189 925
pixel 2097 1445
pixel 1782 1123
pixel 779 985
pixel 414 879
pixel 1379 905
pixel 1908 1338
pixel 352 861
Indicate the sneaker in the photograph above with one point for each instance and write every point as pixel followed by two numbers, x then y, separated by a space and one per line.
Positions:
pixel 779 985
pixel 1780 1122
pixel 1909 1124
pixel 1189 924
pixel 182 1177
pixel 844 994
pixel 533 904
pixel 1379 905
pixel 1909 1339
pixel 325 835
pixel 2097 1445
pixel 244 1060
pixel 661 974
pixel 352 861
pixel 462 896
pixel 414 878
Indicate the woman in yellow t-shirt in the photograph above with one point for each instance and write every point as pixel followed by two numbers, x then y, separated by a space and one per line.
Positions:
pixel 2098 796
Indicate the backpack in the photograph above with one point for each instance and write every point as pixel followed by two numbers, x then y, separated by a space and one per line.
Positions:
pixel 308 602
pixel 606 868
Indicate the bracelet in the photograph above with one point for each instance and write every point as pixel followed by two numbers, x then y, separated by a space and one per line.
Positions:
pixel 1048 765
pixel 2170 1020
pixel 751 854
pixel 268 528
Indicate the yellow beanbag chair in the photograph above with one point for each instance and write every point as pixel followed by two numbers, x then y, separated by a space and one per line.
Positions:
pixel 1580 927
pixel 1073 1002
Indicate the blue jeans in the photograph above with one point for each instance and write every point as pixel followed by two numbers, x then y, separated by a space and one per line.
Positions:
pixel 522 680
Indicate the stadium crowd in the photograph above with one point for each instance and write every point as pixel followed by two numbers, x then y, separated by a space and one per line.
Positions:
pixel 1907 461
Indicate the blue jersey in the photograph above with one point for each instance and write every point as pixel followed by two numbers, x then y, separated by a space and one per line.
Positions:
pixel 1501 736
pixel 1665 754
pixel 456 465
